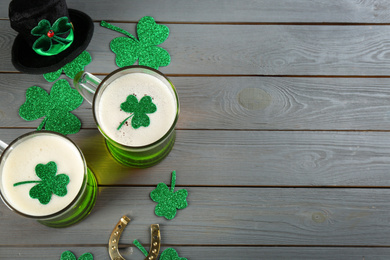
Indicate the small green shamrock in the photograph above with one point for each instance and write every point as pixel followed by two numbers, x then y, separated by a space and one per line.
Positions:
pixel 168 200
pixel 50 183
pixel 139 111
pixel 55 107
pixel 170 254
pixel 129 50
pixel 72 68
pixel 49 33
pixel 67 255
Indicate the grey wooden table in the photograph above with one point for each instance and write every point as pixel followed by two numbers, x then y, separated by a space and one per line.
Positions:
pixel 283 140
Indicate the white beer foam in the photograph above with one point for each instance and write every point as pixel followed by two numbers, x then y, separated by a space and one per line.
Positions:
pixel 20 167
pixel 110 115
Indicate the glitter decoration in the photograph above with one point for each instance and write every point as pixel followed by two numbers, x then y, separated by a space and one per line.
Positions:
pixel 170 254
pixel 140 247
pixel 50 183
pixel 55 108
pixel 128 49
pixel 72 68
pixel 138 110
pixel 168 200
pixel 67 255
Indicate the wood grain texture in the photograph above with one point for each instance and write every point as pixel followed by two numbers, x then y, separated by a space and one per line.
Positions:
pixel 282 143
pixel 230 11
pixel 245 103
pixel 240 158
pixel 257 159
pixel 224 216
pixel 50 253
pixel 207 252
pixel 251 50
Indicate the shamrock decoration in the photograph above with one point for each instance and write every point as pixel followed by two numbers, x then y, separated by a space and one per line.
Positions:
pixel 49 33
pixel 55 107
pixel 67 255
pixel 50 183
pixel 138 110
pixel 140 247
pixel 128 49
pixel 168 254
pixel 168 200
pixel 72 68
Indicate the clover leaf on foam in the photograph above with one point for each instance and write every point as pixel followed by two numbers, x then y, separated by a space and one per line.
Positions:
pixel 49 184
pixel 138 110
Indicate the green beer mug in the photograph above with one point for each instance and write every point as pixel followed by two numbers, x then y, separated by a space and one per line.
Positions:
pixel 136 109
pixel 44 176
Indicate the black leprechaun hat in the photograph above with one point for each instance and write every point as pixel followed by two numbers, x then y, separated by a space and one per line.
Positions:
pixel 49 34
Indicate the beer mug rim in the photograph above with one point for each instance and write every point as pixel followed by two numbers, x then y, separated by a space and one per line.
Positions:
pixel 29 135
pixel 116 74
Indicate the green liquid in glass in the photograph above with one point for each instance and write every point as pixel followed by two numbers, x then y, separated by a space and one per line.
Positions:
pixel 78 211
pixel 146 158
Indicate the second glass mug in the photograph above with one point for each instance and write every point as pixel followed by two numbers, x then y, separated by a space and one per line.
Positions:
pixel 163 93
pixel 53 201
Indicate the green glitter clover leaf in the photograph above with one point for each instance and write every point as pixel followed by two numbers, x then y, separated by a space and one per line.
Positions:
pixel 139 111
pixel 67 255
pixel 128 49
pixel 168 200
pixel 140 247
pixel 50 183
pixel 72 68
pixel 168 254
pixel 49 33
pixel 55 107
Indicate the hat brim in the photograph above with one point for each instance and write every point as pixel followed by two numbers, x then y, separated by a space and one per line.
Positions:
pixel 25 59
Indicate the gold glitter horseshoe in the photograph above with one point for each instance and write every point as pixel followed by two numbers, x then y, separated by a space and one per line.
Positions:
pixel 116 234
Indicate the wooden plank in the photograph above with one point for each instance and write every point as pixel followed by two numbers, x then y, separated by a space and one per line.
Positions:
pixel 52 252
pixel 207 252
pixel 258 11
pixel 251 50
pixel 241 158
pixel 245 103
pixel 224 216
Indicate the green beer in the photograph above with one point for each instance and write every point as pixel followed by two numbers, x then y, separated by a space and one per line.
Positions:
pixel 136 109
pixel 142 159
pixel 44 176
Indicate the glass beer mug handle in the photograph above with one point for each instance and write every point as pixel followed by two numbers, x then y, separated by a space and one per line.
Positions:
pixel 86 85
pixel 2 146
